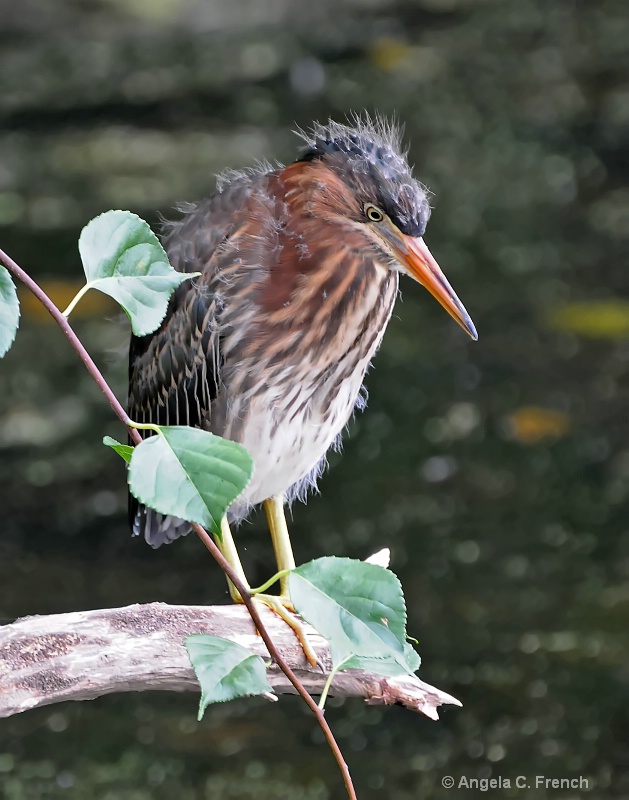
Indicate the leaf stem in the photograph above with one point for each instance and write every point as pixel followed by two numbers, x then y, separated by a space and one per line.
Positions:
pixel 274 579
pixel 122 415
pixel 144 426
pixel 83 290
pixel 328 683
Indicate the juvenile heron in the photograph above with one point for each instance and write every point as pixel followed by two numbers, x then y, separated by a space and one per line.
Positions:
pixel 269 347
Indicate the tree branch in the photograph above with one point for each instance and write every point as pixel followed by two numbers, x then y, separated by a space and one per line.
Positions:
pixel 91 367
pixel 86 654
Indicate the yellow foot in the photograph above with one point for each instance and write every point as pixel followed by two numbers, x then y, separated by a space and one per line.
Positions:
pixel 285 609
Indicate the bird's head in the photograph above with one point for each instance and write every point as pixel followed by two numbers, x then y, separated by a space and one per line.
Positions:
pixel 376 194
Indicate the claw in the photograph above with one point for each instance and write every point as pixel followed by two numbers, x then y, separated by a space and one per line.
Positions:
pixel 283 607
pixel 281 603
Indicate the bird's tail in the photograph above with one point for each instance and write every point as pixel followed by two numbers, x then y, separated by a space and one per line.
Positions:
pixel 158 529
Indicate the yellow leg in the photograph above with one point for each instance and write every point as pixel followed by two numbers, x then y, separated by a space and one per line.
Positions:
pixel 285 559
pixel 280 604
pixel 227 547
pixel 282 547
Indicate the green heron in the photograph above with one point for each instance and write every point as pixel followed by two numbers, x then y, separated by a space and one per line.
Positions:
pixel 270 345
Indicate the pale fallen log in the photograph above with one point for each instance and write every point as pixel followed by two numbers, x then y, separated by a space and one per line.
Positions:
pixel 86 654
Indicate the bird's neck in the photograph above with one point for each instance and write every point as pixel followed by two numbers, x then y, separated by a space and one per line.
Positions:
pixel 323 256
pixel 323 287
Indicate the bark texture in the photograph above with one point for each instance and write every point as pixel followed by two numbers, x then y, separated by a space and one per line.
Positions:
pixel 85 654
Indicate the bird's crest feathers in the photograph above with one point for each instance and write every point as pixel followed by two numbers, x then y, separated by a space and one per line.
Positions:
pixel 370 149
pixel 368 153
pixel 363 136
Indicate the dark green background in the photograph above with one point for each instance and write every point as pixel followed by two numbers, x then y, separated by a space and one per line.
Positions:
pixel 512 545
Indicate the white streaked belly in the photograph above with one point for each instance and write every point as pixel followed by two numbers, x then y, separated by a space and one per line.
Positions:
pixel 289 448
pixel 289 453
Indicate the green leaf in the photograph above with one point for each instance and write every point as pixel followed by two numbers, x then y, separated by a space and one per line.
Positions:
pixel 389 667
pixel 189 473
pixel 358 607
pixel 225 670
pixel 123 258
pixel 124 450
pixel 9 311
pixel 412 657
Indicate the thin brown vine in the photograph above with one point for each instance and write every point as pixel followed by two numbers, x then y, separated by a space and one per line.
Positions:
pixel 122 415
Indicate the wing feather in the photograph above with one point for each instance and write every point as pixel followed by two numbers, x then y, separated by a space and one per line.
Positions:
pixel 174 373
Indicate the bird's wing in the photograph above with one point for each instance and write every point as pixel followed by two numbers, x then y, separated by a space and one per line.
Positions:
pixel 174 373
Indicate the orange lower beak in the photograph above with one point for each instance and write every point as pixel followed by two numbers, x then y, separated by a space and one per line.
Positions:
pixel 418 261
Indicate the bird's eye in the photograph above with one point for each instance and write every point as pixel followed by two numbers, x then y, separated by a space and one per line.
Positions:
pixel 374 214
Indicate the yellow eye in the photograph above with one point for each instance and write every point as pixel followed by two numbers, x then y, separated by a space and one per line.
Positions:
pixel 374 214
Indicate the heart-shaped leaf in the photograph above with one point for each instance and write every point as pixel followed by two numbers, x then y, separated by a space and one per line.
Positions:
pixel 189 473
pixel 123 258
pixel 9 311
pixel 358 607
pixel 225 670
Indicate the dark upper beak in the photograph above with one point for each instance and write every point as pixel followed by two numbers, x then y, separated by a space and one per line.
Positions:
pixel 416 259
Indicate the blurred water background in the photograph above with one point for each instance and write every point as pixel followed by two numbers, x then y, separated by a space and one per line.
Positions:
pixel 497 471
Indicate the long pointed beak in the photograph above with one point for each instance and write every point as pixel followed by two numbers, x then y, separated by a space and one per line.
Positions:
pixel 418 261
